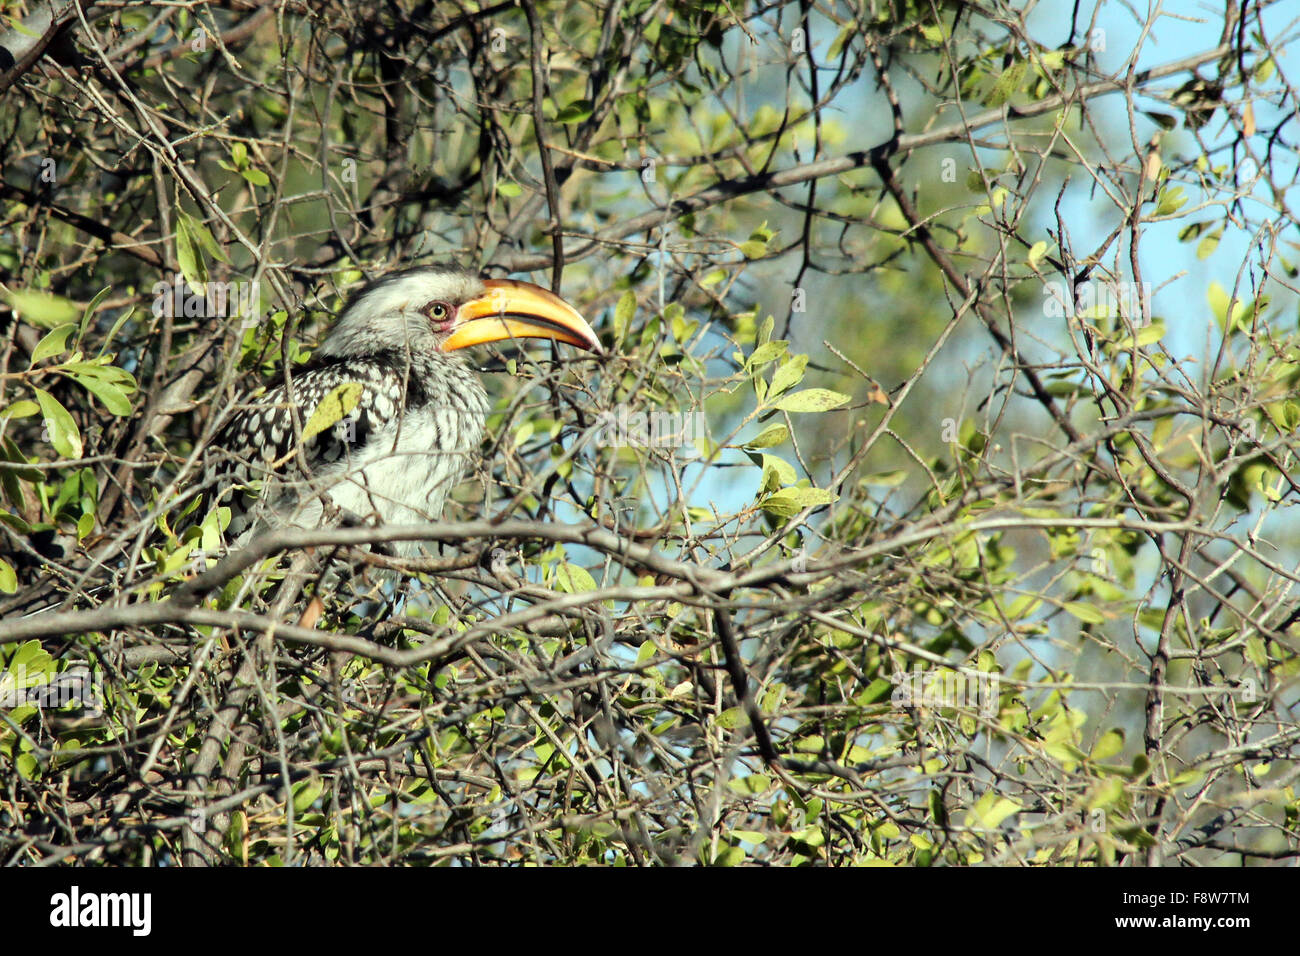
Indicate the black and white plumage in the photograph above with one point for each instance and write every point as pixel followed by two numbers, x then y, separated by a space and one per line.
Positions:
pixel 417 422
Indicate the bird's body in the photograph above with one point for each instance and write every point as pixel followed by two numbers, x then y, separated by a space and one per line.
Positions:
pixel 402 413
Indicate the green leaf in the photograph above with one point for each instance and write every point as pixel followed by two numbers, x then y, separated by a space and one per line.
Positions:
pixel 788 375
pixel 509 189
pixel 21 28
pixel 187 253
pixel 730 718
pixel 1008 83
pixel 256 177
pixel 90 310
pixel 11 519
pixel 205 239
pixel 1107 794
pixel 42 308
pixel 32 658
pixel 333 408
pixel 771 435
pixel 573 579
pixel 849 31
pixel 1171 200
pixel 307 793
pixel 991 809
pixel 623 313
pixel 790 501
pixel 8 579
pixel 63 432
pixel 1084 612
pixel 751 786
pixel 765 353
pixel 24 408
pixel 812 400
pixel 1218 299
pixel 776 472
pixel 683 329
pixel 1205 248
pixel 1147 335
pixel 932 33
pixel 112 397
pixel 54 343
pixel 1036 252
pixel 1108 745
pixel 886 479
pixel 192 240
pixel 117 327
pixel 575 112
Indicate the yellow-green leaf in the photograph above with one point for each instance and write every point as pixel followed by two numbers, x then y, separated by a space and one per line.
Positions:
pixel 575 112
pixel 1107 794
pixel 23 408
pixel 1085 612
pixel 771 435
pixel 1147 335
pixel 188 256
pixel 990 810
pixel 42 308
pixel 730 718
pixel 1205 248
pixel 788 375
pixel 812 400
pixel 61 429
pixel 1108 745
pixel 776 472
pixel 623 313
pixel 1171 200
pixel 333 408
pixel 573 579
pixel 767 352
pixel 54 343
pixel 790 501
pixel 112 397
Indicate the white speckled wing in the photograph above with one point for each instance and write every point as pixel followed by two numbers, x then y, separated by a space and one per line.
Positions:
pixel 394 460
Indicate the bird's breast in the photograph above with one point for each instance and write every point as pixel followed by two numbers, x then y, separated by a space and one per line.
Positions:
pixel 401 466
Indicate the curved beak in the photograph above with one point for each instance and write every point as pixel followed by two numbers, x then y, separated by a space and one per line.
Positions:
pixel 509 309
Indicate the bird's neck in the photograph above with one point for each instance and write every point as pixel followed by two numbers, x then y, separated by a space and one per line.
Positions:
pixel 428 377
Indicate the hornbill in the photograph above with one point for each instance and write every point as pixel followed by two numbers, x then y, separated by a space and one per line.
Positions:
pixel 405 410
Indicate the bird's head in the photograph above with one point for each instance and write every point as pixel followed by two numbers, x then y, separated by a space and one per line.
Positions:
pixel 439 309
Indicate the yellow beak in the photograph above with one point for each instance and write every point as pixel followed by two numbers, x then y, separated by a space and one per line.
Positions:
pixel 519 310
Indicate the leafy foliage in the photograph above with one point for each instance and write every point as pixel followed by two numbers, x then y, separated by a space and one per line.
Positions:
pixel 930 509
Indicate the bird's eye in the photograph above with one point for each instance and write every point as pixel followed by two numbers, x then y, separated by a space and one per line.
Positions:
pixel 438 311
